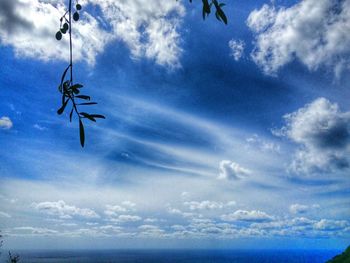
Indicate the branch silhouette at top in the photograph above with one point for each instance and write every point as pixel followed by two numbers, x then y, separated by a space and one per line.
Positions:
pixel 71 91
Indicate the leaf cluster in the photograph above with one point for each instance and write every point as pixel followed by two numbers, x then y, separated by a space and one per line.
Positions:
pixel 72 93
pixel 207 8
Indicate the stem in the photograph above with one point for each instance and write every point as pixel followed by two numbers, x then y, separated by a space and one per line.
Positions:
pixel 70 41
pixel 71 55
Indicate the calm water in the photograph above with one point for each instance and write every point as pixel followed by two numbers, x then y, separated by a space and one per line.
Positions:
pixel 180 256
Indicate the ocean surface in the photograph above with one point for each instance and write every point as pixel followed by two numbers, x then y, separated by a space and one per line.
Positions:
pixel 179 256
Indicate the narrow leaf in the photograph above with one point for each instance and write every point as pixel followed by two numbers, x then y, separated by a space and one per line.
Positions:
pixel 71 114
pixel 222 15
pixel 88 103
pixel 61 110
pixel 82 133
pixel 84 97
pixel 77 86
pixel 88 116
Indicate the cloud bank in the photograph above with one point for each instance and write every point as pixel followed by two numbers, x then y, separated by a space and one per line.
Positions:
pixel 149 29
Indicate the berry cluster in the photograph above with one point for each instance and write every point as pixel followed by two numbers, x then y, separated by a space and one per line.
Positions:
pixel 64 22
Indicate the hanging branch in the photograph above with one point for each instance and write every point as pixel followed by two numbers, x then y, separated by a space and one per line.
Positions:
pixel 70 91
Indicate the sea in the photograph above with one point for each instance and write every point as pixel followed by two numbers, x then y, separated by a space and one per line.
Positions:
pixel 178 256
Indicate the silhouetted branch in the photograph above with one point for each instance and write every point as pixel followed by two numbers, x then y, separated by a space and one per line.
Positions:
pixel 70 91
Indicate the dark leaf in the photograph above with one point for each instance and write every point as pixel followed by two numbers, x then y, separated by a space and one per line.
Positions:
pixel 222 16
pixel 61 110
pixel 82 133
pixel 71 115
pixel 217 16
pixel 83 97
pixel 219 11
pixel 87 103
pixel 75 90
pixel 77 86
pixel 206 8
pixel 78 6
pixel 88 116
pixel 98 116
pixel 65 26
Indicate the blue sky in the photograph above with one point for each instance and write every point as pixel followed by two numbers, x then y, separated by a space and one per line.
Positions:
pixel 216 136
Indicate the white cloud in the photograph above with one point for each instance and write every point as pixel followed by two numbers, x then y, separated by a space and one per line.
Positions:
pixel 208 205
pixel 34 35
pixel 39 127
pixel 237 48
pixel 5 123
pixel 262 144
pixel 149 29
pixel 36 230
pixel 298 208
pixel 232 171
pixel 128 218
pixel 314 32
pixel 63 210
pixel 331 225
pixel 323 133
pixel 204 205
pixel 250 216
pixel 6 215
pixel 114 210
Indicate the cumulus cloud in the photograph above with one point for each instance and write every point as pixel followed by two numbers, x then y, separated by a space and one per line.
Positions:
pixel 128 218
pixel 232 171
pixel 32 33
pixel 250 216
pixel 149 29
pixel 114 210
pixel 298 208
pixel 208 205
pixel 204 205
pixel 323 133
pixel 314 32
pixel 237 48
pixel 331 225
pixel 63 210
pixel 5 123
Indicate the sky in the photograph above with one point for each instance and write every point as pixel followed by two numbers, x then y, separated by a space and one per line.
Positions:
pixel 216 136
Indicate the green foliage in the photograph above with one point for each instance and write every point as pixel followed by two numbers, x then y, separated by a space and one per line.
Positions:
pixel 342 258
pixel 71 91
